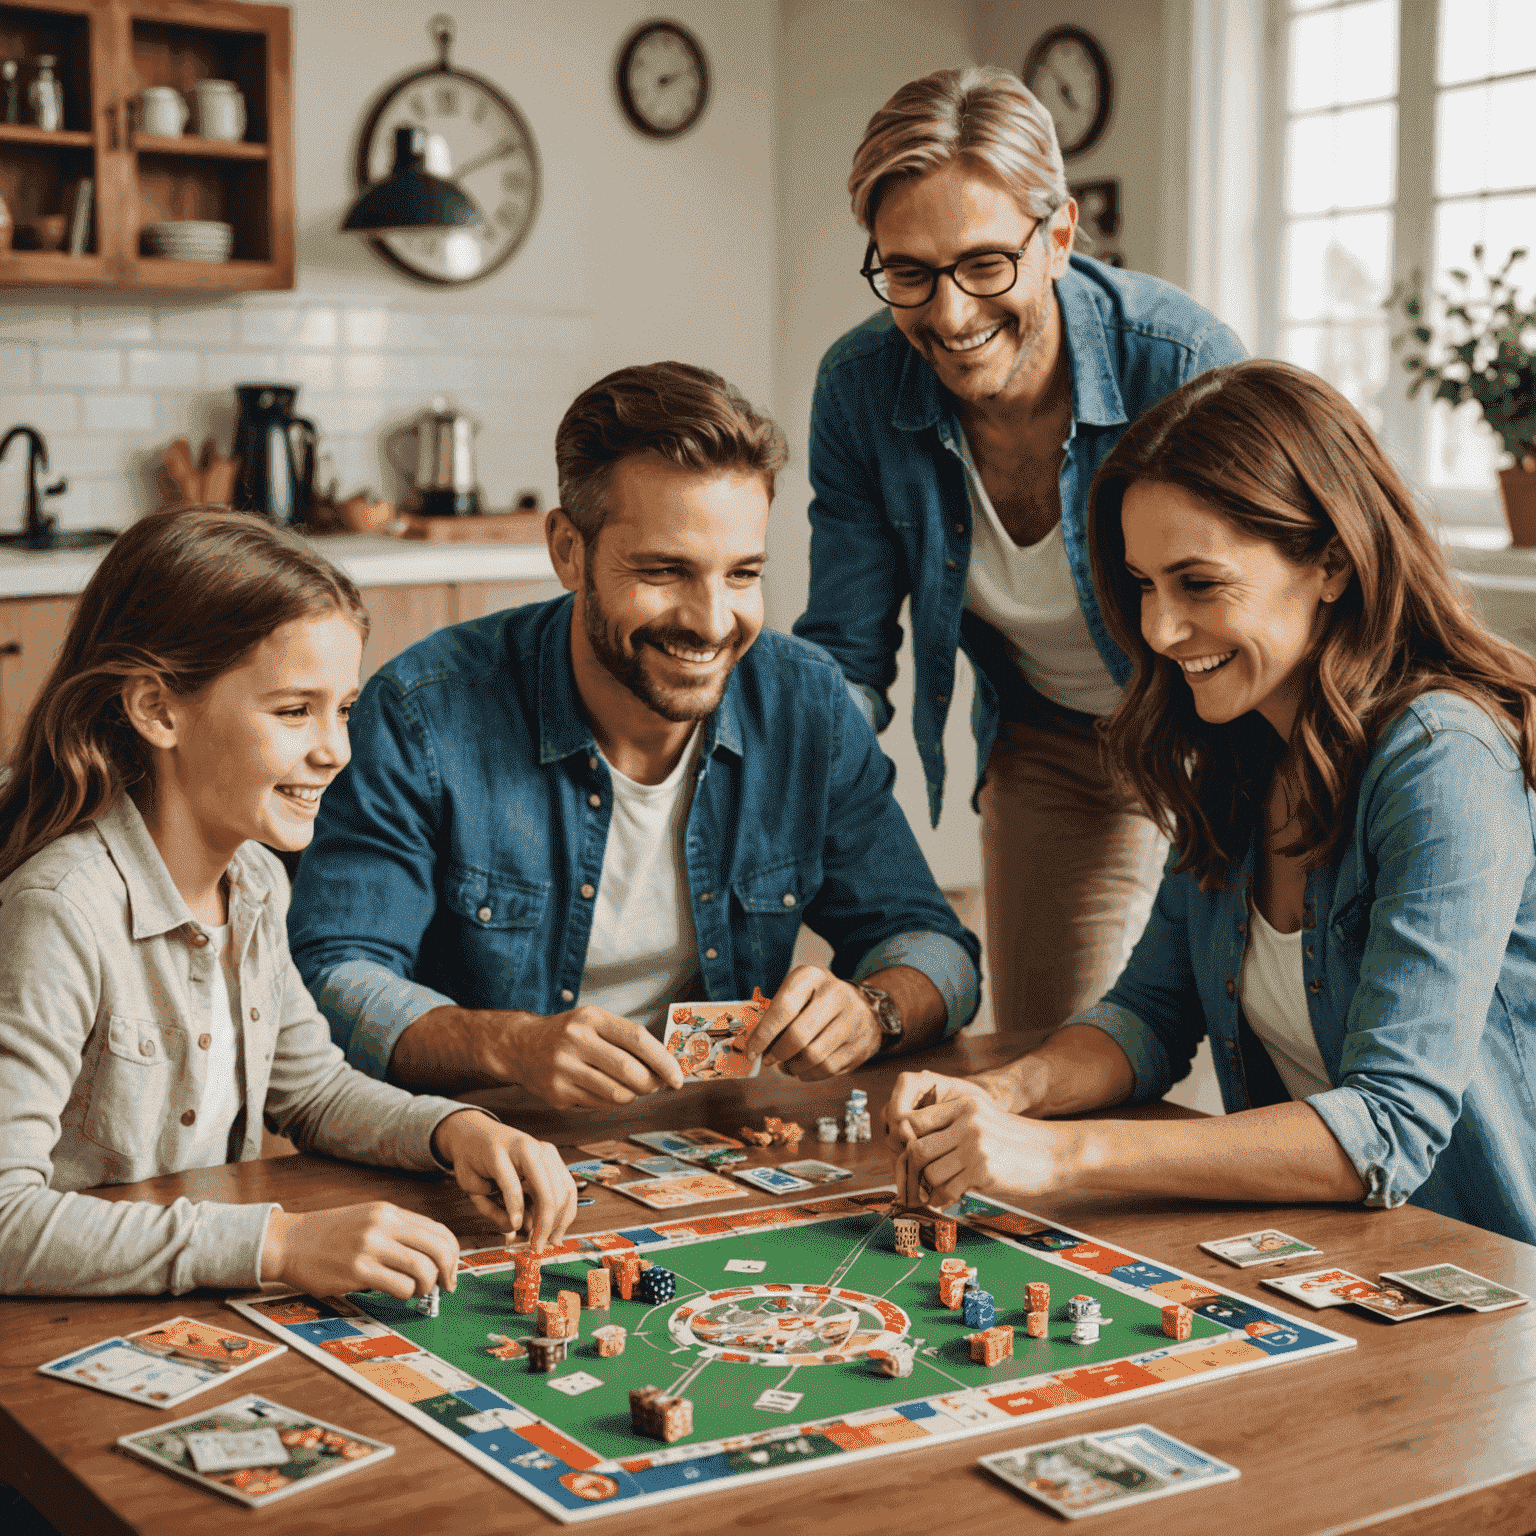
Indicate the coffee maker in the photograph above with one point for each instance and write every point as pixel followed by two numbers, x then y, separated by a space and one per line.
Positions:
pixel 435 452
pixel 276 450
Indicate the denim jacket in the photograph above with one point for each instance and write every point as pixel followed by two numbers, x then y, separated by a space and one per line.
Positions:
pixel 456 858
pixel 1420 964
pixel 891 516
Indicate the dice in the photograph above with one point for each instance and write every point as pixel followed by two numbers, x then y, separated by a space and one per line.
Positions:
pixel 656 1285
pixel 610 1340
pixel 1177 1321
pixel 978 1308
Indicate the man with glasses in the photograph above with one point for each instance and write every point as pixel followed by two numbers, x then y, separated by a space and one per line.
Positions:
pixel 954 437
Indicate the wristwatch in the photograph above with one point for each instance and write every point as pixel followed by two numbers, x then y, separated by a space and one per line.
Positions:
pixel 889 1016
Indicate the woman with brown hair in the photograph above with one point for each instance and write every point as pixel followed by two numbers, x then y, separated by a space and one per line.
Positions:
pixel 1344 758
pixel 150 1015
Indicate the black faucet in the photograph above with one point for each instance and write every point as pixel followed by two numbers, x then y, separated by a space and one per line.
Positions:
pixel 42 531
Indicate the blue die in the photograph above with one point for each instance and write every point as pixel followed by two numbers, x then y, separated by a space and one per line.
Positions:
pixel 978 1308
pixel 656 1284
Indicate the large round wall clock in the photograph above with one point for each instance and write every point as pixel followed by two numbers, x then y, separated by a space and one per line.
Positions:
pixel 663 79
pixel 478 139
pixel 1067 70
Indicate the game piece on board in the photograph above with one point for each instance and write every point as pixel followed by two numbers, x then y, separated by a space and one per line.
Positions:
pixel 978 1308
pixel 544 1354
pixel 552 1320
pixel 570 1304
pixel 756 1138
pixel 1080 1306
pixel 427 1305
pixel 1039 1293
pixel 662 1418
pixel 525 1296
pixel 896 1359
pixel 991 1346
pixel 624 1267
pixel 953 1267
pixel 610 1340
pixel 970 1275
pixel 944 1232
pixel 599 1289
pixel 1086 1330
pixel 1177 1321
pixel 952 1291
pixel 906 1237
pixel 656 1285
pixel 826 1128
pixel 1038 1324
pixel 504 1348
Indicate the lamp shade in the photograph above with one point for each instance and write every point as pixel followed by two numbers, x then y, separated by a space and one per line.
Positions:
pixel 410 197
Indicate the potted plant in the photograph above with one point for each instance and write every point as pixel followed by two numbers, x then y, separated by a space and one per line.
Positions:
pixel 1489 355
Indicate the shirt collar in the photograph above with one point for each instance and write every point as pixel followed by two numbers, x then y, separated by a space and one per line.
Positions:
pixel 563 728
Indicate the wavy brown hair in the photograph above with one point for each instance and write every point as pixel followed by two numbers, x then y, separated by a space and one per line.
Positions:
pixel 1284 457
pixel 184 595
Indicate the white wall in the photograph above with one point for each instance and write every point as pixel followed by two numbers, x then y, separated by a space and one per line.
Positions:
pixel 642 250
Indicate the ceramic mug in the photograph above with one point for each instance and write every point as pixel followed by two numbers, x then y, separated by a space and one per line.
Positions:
pixel 162 111
pixel 220 110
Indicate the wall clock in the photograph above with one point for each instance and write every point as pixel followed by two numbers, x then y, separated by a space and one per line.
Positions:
pixel 1067 70
pixel 477 139
pixel 663 79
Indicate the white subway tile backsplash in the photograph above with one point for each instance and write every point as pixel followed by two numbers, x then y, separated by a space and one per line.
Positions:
pixel 49 322
pixel 364 328
pixel 207 326
pixel 370 370
pixel 48 413
pixel 87 453
pixel 222 370
pixel 16 362
pixel 163 370
pixel 311 370
pixel 105 325
pixel 265 326
pixel 79 367
pixel 118 413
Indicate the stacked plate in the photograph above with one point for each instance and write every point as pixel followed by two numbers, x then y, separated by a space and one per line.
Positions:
pixel 189 240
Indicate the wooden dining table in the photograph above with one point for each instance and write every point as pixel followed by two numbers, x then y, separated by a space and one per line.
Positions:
pixel 1427 1427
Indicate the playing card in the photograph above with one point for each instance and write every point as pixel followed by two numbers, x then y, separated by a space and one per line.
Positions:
pixel 597 1170
pixel 1460 1287
pixel 1322 1287
pixel 1397 1304
pixel 244 1448
pixel 692 1145
pixel 667 1194
pixel 658 1167
pixel 817 1172
pixel 703 1036
pixel 1086 1473
pixel 775 1180
pixel 611 1152
pixel 1263 1247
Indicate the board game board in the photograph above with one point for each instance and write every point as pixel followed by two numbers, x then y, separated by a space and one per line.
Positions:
pixel 775 1334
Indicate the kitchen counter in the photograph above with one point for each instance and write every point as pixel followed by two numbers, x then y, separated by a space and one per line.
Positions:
pixel 371 560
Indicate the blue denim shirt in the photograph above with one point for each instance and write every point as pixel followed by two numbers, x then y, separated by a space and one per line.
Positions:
pixel 1420 964
pixel 454 859
pixel 891 516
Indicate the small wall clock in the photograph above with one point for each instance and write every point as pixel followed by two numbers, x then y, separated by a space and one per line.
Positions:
pixel 1067 70
pixel 663 79
pixel 483 143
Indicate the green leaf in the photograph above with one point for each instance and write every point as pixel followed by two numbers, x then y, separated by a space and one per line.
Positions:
pixel 1421 333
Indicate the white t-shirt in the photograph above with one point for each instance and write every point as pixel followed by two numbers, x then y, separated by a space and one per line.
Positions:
pixel 221 1088
pixel 1028 595
pixel 1274 997
pixel 643 948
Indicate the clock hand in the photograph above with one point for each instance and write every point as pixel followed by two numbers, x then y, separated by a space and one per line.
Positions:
pixel 1066 92
pixel 496 152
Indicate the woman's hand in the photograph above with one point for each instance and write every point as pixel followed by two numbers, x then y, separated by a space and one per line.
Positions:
pixel 968 1143
pixel 916 1090
pixel 514 1180
pixel 373 1247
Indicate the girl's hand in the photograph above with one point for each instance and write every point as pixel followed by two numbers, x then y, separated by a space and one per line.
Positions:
pixel 968 1143
pixel 360 1248
pixel 514 1180
pixel 916 1090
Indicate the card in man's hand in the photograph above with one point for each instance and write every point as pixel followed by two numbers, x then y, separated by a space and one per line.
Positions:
pixel 703 1036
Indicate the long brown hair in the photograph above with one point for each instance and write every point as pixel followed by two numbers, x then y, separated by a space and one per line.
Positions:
pixel 1285 458
pixel 184 595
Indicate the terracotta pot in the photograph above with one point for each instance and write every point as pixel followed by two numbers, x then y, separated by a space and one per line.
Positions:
pixel 1518 487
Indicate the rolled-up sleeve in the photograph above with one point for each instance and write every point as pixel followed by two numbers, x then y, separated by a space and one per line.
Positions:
pixel 946 963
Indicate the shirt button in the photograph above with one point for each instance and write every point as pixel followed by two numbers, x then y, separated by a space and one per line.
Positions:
pixel 1314 986
pixel 566 995
pixel 959 527
pixel 188 1116
pixel 592 764
pixel 255 1015
pixel 1231 989
pixel 589 891
pixel 789 898
pixel 1309 951
pixel 204 1041
pixel 484 914
pixel 595 801
pixel 710 954
pixel 707 896
pixel 1242 927
pixel 951 566
pixel 199 939
pixel 146 1047
pixel 941 698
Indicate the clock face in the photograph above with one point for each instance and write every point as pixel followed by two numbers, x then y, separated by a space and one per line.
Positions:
pixel 1067 70
pixel 476 139
pixel 663 79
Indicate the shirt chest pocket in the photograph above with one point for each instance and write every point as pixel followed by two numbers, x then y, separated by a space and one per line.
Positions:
pixel 495 910
pixel 141 1064
pixel 782 889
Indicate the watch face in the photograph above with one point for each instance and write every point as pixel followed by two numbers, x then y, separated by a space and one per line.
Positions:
pixel 476 139
pixel 663 79
pixel 1068 72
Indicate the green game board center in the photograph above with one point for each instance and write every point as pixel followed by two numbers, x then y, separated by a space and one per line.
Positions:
pixel 723 1392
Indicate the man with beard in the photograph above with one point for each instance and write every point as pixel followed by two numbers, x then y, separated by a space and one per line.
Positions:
pixel 953 440
pixel 561 818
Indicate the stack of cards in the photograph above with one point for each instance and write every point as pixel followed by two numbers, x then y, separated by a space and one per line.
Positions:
pixel 692 1145
pixel 1263 1247
pixel 688 1188
pixel 1397 1297
pixel 1086 1473
pixel 703 1036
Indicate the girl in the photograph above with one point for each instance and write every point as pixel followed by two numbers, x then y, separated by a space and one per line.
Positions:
pixel 150 1016
pixel 1344 757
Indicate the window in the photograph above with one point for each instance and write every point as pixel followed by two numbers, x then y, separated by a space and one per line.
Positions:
pixel 1400 136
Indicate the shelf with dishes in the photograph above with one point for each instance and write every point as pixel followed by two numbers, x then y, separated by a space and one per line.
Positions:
pixel 193 144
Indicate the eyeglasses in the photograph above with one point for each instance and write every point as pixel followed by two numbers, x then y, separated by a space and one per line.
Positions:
pixel 910 284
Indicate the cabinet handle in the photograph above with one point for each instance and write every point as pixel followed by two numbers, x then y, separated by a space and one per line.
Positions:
pixel 11 648
pixel 128 123
pixel 112 126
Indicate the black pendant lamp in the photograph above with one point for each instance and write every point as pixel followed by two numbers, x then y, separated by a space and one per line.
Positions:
pixel 411 197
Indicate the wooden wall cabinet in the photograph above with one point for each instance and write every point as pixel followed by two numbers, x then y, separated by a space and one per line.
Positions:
pixel 108 52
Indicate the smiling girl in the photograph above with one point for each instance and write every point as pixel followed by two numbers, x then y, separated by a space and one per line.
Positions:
pixel 1345 759
pixel 150 1015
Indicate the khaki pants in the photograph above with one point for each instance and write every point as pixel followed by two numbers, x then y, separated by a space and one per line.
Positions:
pixel 1071 870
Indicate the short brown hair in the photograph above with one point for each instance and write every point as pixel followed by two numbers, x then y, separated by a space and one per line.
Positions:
pixel 981 113
pixel 688 415
pixel 1284 457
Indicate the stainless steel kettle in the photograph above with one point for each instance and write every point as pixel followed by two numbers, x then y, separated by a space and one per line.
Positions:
pixel 436 453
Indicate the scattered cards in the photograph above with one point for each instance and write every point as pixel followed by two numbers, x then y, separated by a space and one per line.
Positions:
pixel 1457 1287
pixel 597 1170
pixel 610 1152
pixel 163 1365
pixel 1086 1473
pixel 817 1171
pixel 1397 1304
pixel 703 1036
pixel 660 1166
pixel 775 1180
pixel 692 1145
pixel 1322 1287
pixel 214 1448
pixel 690 1189
pixel 1264 1247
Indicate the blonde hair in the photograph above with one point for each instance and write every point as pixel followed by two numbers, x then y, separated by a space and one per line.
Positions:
pixel 982 113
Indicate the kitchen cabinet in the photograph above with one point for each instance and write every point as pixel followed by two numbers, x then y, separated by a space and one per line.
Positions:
pixel 108 52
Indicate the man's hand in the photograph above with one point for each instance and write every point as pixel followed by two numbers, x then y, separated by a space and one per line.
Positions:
pixel 360 1248
pixel 514 1180
pixel 918 1090
pixel 816 1027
